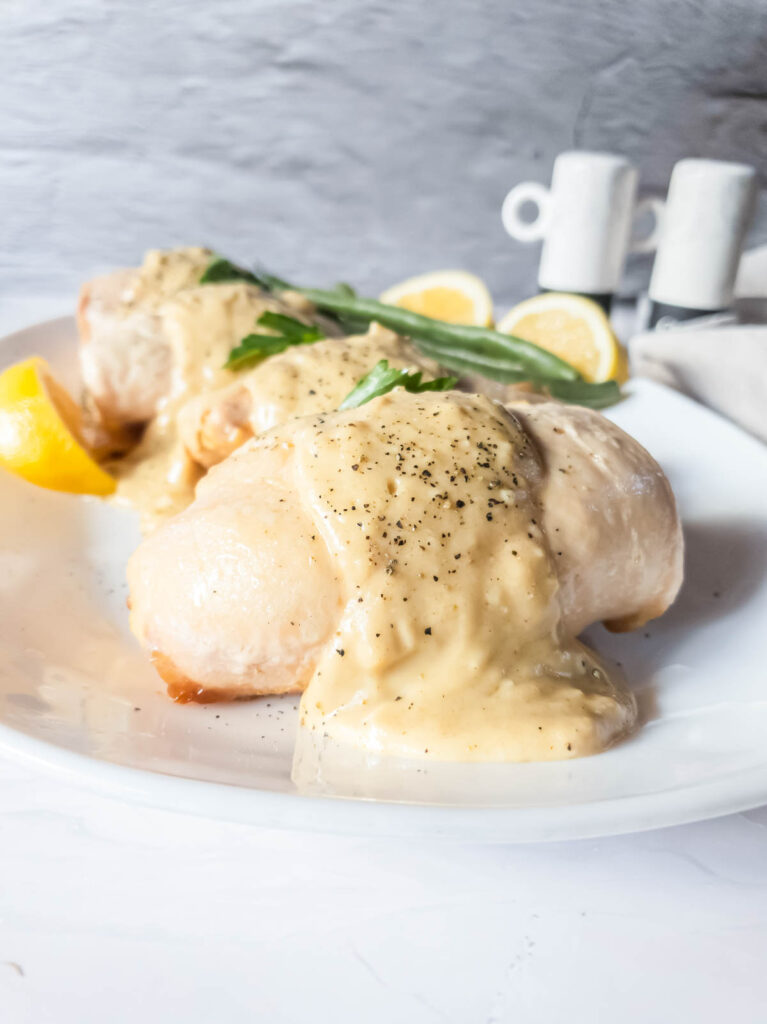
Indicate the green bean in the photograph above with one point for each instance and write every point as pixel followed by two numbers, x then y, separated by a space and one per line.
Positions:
pixel 577 392
pixel 581 392
pixel 464 361
pixel 481 340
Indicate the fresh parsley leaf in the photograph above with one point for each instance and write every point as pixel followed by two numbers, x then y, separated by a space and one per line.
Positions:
pixel 286 332
pixel 384 378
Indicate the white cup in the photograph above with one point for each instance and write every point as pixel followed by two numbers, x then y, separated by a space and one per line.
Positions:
pixel 585 219
pixel 708 210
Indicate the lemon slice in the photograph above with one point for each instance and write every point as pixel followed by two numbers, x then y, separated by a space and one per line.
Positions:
pixel 452 295
pixel 40 432
pixel 572 327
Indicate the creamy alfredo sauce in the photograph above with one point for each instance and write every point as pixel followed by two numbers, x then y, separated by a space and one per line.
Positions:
pixel 450 644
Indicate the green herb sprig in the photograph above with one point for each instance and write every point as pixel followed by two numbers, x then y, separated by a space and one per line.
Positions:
pixel 286 331
pixel 384 378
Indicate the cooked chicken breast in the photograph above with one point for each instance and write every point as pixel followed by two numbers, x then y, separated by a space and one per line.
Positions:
pixel 153 337
pixel 507 535
pixel 152 334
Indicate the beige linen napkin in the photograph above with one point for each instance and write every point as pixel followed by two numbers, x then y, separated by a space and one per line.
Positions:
pixel 723 367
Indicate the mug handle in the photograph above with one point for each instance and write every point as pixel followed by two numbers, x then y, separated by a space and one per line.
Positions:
pixel 655 206
pixel 527 192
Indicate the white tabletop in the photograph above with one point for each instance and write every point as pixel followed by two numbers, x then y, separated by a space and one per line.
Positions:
pixel 112 912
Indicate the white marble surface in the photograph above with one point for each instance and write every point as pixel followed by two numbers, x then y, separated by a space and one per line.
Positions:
pixel 112 912
pixel 115 912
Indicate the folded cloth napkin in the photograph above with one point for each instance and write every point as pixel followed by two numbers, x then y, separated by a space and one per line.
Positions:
pixel 722 367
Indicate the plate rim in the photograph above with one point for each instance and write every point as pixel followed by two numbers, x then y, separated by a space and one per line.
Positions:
pixel 360 816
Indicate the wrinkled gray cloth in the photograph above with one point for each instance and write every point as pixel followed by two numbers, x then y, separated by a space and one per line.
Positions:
pixel 722 367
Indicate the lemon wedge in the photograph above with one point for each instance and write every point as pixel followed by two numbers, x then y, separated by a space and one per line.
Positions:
pixel 40 438
pixel 453 295
pixel 573 328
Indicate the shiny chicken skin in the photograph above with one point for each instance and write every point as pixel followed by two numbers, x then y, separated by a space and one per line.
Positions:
pixel 610 517
pixel 246 591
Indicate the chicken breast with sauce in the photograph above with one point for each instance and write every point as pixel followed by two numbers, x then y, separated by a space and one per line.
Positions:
pixel 418 567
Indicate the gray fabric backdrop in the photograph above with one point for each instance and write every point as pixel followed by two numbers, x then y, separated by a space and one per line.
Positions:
pixel 354 139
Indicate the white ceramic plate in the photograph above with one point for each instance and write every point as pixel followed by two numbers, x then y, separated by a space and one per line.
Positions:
pixel 77 695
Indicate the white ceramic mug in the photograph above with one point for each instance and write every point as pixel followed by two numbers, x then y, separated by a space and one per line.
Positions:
pixel 708 210
pixel 585 220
